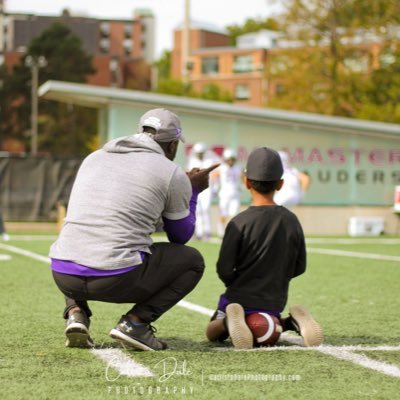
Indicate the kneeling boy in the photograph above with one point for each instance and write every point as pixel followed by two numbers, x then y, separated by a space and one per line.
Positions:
pixel 262 250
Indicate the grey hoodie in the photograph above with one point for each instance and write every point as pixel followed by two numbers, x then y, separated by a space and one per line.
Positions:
pixel 120 193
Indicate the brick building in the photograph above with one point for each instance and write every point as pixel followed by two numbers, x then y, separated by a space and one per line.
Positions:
pixel 122 50
pixel 248 70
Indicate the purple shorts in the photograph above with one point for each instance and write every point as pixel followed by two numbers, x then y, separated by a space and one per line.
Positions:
pixel 223 302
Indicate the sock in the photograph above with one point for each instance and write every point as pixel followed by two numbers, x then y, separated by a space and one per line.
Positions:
pixel 288 324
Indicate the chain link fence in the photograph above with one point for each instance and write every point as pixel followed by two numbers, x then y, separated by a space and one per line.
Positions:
pixel 31 188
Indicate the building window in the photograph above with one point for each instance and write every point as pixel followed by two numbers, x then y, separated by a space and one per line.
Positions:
pixel 105 29
pixel 128 31
pixel 242 92
pixel 242 63
pixel 104 45
pixel 357 63
pixel 209 65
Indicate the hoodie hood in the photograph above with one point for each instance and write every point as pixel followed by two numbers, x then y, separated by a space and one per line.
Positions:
pixel 139 142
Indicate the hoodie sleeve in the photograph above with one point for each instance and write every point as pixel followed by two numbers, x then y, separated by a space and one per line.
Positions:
pixel 181 230
pixel 178 197
pixel 179 214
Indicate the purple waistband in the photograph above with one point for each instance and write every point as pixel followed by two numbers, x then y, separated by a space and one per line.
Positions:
pixel 71 268
pixel 223 302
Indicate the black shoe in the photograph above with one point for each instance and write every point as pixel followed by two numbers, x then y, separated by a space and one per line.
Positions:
pixel 140 337
pixel 77 331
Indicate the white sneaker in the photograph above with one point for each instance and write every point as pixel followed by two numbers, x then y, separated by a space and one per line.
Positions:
pixel 240 333
pixel 307 326
pixel 6 237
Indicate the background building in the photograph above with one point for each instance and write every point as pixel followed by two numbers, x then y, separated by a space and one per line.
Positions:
pixel 253 71
pixel 122 50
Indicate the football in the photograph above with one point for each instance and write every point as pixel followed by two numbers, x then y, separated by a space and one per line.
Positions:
pixel 266 329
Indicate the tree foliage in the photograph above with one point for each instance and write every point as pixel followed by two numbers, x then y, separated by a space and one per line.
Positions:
pixel 251 25
pixel 63 129
pixel 331 67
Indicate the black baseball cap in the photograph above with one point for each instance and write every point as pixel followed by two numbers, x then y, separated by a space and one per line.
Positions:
pixel 264 165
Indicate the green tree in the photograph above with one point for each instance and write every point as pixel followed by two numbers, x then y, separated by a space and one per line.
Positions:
pixel 66 61
pixel 379 97
pixel 251 25
pixel 214 92
pixel 329 72
pixel 163 65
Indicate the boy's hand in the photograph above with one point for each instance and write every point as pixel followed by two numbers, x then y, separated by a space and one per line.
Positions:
pixel 199 178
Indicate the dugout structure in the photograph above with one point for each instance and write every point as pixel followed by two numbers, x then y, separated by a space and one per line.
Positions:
pixel 354 165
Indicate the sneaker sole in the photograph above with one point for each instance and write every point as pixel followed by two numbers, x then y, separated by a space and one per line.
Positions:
pixel 78 336
pixel 240 333
pixel 128 341
pixel 310 330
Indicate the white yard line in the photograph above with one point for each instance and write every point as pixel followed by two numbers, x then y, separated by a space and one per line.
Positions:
pixel 343 253
pixel 26 253
pixel 5 257
pixel 352 241
pixel 355 254
pixel 125 365
pixel 282 347
pixel 337 352
pixel 360 359
pixel 117 359
pixel 29 238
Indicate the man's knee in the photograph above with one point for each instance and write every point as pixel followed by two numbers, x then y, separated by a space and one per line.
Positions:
pixel 196 260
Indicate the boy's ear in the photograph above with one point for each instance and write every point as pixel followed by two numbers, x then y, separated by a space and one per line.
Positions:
pixel 246 182
pixel 280 184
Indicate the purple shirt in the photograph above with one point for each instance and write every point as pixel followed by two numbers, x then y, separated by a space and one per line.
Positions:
pixel 71 268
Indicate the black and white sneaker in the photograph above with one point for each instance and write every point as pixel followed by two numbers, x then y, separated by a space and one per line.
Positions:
pixel 77 331
pixel 306 325
pixel 240 333
pixel 140 337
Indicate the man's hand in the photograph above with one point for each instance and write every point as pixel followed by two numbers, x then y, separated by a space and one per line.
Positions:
pixel 199 178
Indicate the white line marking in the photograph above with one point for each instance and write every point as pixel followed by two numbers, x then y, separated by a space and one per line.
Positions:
pixel 360 359
pixel 5 257
pixel 345 253
pixel 115 358
pixel 280 347
pixel 337 352
pixel 29 238
pixel 196 307
pixel 26 253
pixel 351 241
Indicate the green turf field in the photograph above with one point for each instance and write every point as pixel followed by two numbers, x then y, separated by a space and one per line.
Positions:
pixel 351 286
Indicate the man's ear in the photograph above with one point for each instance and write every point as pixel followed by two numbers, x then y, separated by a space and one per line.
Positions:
pixel 246 182
pixel 280 184
pixel 172 148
